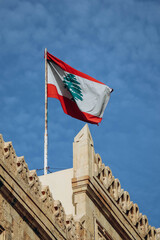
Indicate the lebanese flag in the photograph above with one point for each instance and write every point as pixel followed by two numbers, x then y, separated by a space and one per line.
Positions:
pixel 81 96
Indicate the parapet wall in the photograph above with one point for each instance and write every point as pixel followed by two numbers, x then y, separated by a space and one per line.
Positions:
pixel 87 163
pixel 122 198
pixel 34 203
pixel 103 210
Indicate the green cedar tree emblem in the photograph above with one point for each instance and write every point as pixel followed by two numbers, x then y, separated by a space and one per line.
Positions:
pixel 73 86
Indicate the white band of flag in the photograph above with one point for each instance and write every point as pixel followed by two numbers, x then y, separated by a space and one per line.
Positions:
pixel 81 96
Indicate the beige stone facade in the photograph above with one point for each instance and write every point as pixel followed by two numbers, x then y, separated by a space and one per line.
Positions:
pixel 90 205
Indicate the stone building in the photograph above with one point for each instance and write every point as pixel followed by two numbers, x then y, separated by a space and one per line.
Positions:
pixel 82 203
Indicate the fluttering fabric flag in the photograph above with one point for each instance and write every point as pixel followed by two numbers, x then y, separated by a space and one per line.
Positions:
pixel 81 96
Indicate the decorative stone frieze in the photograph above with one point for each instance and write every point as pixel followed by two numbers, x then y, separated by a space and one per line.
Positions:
pixel 42 197
pixel 47 199
pixel 105 176
pixel 22 169
pixel 143 226
pixel 124 202
pixel 112 185
pixel 134 214
pixel 34 183
pixel 10 155
pixel 157 234
pixel 59 214
pixel 98 165
pixel 75 230
pixel 152 234
pixel 115 189
pixel 80 231
pixel 70 226
pixel 123 199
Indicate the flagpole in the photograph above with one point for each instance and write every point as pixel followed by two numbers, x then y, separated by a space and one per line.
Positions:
pixel 46 118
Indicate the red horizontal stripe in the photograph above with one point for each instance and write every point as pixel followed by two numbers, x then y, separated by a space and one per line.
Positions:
pixel 70 107
pixel 69 69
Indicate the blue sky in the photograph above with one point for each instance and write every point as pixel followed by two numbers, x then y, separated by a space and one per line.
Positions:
pixel 116 42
